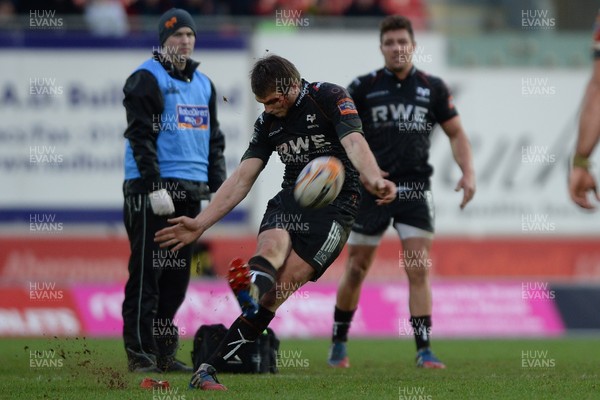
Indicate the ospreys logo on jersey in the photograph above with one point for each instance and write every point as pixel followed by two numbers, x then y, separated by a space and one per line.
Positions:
pixel 192 117
pixel 298 149
pixel 423 94
pixel 311 118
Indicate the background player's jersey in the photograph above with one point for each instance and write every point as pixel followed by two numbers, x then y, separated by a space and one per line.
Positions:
pixel 398 117
pixel 322 115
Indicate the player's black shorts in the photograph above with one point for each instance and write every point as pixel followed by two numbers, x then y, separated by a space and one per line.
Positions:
pixel 412 207
pixel 318 235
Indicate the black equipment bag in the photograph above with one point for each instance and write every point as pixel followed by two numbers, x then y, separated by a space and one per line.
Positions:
pixel 258 357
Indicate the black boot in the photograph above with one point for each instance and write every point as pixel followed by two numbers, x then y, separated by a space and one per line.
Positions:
pixel 167 346
pixel 171 364
pixel 138 362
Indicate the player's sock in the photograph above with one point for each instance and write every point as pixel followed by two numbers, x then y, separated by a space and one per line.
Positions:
pixel 421 329
pixel 341 324
pixel 263 274
pixel 241 332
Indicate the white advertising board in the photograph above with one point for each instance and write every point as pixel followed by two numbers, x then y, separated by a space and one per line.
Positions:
pixel 61 137
pixel 522 125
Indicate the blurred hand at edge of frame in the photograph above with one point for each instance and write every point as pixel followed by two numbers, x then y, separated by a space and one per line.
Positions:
pixel 581 181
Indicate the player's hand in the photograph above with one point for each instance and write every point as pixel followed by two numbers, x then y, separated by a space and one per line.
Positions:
pixel 185 230
pixel 384 189
pixel 467 184
pixel 581 182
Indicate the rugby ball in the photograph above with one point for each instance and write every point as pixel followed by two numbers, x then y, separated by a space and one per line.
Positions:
pixel 319 183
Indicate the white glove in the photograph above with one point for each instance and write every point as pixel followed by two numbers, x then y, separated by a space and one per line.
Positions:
pixel 161 202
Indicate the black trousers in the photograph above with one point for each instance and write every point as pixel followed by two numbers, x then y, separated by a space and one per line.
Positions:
pixel 158 280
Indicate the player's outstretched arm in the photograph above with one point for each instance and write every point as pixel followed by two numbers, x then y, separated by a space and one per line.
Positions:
pixel 461 150
pixel 371 175
pixel 185 230
pixel 581 181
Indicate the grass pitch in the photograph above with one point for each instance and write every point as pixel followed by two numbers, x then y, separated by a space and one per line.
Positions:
pixel 79 368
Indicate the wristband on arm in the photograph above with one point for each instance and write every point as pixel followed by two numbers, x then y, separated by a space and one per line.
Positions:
pixel 581 162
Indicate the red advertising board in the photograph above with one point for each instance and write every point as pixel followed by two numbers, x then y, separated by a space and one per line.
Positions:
pixel 64 259
pixel 40 308
pixel 73 259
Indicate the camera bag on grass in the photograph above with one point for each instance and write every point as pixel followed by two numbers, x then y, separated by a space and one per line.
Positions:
pixel 258 357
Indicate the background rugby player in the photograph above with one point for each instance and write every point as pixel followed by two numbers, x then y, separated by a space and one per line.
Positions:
pixel 399 106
